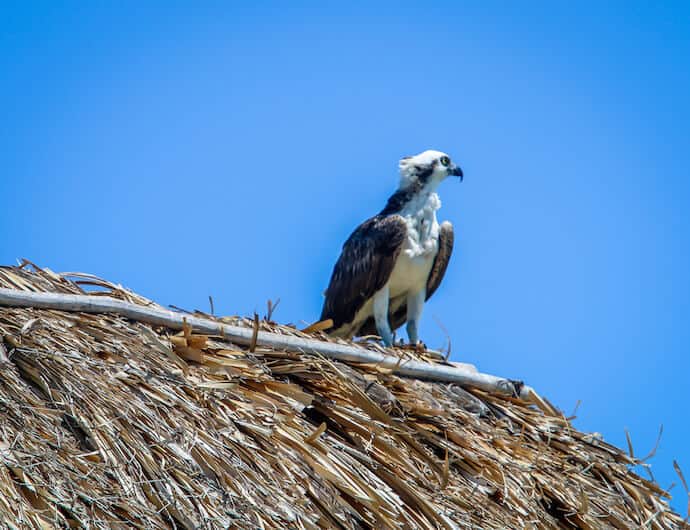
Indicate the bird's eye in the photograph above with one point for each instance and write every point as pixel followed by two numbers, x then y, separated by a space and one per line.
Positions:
pixel 445 161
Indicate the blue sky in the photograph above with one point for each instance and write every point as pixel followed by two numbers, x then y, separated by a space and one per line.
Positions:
pixel 229 150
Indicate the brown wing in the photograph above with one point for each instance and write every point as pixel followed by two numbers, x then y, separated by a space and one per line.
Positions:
pixel 446 239
pixel 364 266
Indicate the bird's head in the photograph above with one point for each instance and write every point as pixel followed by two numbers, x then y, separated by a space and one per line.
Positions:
pixel 429 167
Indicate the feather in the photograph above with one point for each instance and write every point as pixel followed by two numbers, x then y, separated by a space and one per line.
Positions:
pixel 446 238
pixel 364 266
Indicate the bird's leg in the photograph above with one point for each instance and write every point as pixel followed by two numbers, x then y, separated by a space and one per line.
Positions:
pixel 383 327
pixel 415 305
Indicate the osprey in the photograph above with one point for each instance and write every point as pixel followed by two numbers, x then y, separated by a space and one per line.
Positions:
pixel 393 262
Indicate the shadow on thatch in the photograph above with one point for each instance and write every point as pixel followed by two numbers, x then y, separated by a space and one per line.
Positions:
pixel 107 422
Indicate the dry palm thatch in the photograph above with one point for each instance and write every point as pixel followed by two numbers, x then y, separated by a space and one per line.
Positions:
pixel 110 422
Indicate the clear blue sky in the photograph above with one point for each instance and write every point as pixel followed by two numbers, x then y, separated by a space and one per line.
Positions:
pixel 228 151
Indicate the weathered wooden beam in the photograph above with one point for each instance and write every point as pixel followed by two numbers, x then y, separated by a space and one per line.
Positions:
pixel 347 353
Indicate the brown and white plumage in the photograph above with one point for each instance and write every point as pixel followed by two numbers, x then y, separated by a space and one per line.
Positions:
pixel 393 262
pixel 398 317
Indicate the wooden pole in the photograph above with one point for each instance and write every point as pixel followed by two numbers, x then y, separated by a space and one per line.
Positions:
pixel 351 354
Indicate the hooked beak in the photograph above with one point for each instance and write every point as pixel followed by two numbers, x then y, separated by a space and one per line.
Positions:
pixel 456 172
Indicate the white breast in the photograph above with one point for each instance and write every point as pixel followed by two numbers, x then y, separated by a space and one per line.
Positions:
pixel 414 263
pixel 415 260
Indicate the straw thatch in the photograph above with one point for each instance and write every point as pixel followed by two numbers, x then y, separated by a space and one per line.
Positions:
pixel 109 422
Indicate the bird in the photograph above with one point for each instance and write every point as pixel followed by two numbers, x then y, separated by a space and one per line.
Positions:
pixel 394 261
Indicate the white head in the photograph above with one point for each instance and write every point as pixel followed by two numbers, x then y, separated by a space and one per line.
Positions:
pixel 429 167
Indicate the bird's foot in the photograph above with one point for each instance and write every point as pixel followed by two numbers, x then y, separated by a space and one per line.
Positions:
pixel 387 337
pixel 418 347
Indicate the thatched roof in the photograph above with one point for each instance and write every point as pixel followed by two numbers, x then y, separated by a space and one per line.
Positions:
pixel 109 422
